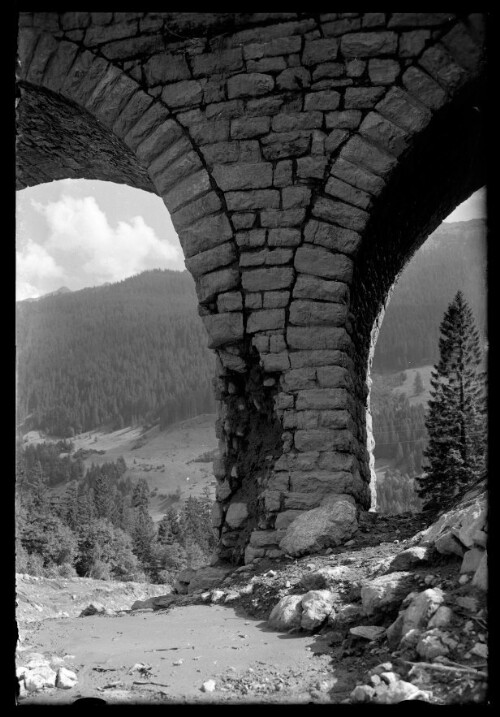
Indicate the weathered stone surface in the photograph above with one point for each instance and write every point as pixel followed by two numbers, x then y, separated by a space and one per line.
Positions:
pixel 317 605
pixel 319 261
pixel 359 152
pixel 237 514
pixel 368 44
pixel 409 558
pixel 299 337
pixel 223 328
pixel 472 560
pixel 250 85
pixel 319 528
pixel 211 259
pixel 480 579
pixel 209 285
pixel 267 279
pixel 66 679
pixel 207 578
pixel 266 320
pixel 317 313
pixel 287 614
pixel 243 176
pixel 385 592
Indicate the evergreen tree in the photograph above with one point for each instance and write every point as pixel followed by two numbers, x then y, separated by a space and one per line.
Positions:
pixel 455 455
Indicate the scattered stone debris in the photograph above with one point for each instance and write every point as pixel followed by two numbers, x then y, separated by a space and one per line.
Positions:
pixel 208 686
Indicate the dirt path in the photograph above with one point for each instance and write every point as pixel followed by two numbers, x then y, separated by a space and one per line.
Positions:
pixel 183 648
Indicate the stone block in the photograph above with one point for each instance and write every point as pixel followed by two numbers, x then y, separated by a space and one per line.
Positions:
pixel 182 94
pixel 336 419
pixel 247 127
pixel 425 89
pixel 343 119
pixel 301 501
pixel 58 65
pixel 188 189
pixel 293 78
pixel 319 261
pixel 471 560
pixel 284 519
pixel 284 238
pixel 205 234
pixel 266 257
pixel 419 19
pixel 321 399
pixel 312 287
pixel 304 420
pixel 253 199
pixel 266 320
pixel 275 361
pixel 272 500
pixel 243 175
pixel 267 64
pixel 325 526
pixel 163 68
pixel 317 313
pixel 367 156
pixel 287 218
pixel 169 175
pixel 162 145
pixel 237 514
pixel 323 100
pixel 440 65
pixel 277 46
pixel 321 357
pixel 385 133
pixel 243 220
pixel 276 300
pixel 337 188
pixel 412 43
pixel 216 282
pixel 334 377
pixel 301 337
pixel 211 259
pixel 295 197
pixel 131 113
pixel 265 538
pixel 316 51
pixel 401 108
pixel 337 239
pixel 463 48
pixel 210 63
pixel 223 328
pixel 328 70
pixel 362 97
pixel 357 176
pixel 322 440
pixel 225 110
pixel 299 378
pixel 334 140
pixel 279 145
pixel 368 44
pixel 252 239
pixel 268 279
pixel 339 27
pixel 311 167
pixel 383 72
pixel 254 301
pixel 283 173
pixel 209 131
pixel 252 84
pixel 287 122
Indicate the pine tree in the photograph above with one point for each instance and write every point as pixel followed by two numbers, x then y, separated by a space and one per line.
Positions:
pixel 455 455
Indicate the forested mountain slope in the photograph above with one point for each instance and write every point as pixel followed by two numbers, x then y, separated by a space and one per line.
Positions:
pixel 113 355
pixel 136 351
pixel 452 258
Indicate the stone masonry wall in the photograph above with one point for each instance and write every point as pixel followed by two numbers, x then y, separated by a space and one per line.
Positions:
pixel 278 142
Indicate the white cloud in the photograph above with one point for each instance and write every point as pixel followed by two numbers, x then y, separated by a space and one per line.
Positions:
pixel 35 267
pixel 90 251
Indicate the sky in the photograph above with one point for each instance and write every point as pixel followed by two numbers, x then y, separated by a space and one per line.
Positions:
pixel 80 233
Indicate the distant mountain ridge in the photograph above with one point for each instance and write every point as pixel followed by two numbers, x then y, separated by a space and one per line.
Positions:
pixel 136 350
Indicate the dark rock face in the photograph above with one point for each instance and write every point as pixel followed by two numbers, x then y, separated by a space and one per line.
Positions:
pixel 304 159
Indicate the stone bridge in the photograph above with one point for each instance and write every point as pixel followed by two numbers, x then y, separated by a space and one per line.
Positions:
pixel 303 159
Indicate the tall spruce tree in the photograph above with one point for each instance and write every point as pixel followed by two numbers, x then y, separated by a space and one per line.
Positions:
pixel 455 457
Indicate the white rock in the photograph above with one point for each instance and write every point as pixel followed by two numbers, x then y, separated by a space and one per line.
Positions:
pixel 316 606
pixel 286 614
pixel 66 679
pixel 208 686
pixel 432 644
pixel 409 558
pixel 448 544
pixel 481 650
pixel 385 592
pixel 216 595
pixel 421 608
pixel 441 618
pixel 323 527
pixel 39 678
pixel 471 561
pixel 369 632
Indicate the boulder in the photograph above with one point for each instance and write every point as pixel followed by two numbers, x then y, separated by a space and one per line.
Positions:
pixel 388 693
pixel 480 579
pixel 441 618
pixel 471 561
pixel 331 524
pixel 317 605
pixel 346 614
pixel 386 592
pixel 410 558
pixel 207 577
pixel 287 614
pixel 369 632
pixel 236 514
pixel 434 643
pixel 463 521
pixel 448 544
pixel 40 677
pixel 66 679
pixel 326 577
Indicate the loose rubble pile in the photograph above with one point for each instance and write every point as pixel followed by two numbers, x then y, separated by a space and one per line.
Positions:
pixel 40 672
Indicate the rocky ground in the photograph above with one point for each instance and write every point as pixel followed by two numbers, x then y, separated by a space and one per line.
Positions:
pixel 396 614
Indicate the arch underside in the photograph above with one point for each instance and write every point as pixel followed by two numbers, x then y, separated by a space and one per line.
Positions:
pixel 57 139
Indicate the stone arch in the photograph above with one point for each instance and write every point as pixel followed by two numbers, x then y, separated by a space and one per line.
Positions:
pixel 280 143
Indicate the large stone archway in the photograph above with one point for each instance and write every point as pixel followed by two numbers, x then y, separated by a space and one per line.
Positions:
pixel 303 159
